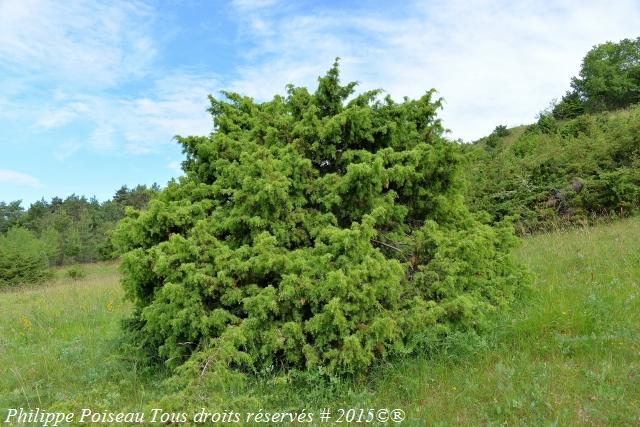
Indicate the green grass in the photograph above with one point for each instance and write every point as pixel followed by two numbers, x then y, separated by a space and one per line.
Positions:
pixel 57 343
pixel 567 355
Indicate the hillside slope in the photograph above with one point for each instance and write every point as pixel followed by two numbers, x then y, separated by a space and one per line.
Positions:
pixel 558 171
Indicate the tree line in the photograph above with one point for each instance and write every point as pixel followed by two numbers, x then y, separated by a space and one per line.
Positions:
pixel 61 231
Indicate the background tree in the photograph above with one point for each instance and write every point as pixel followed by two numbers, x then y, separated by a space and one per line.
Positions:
pixel 75 229
pixel 10 215
pixel 609 79
pixel 137 197
pixel 23 258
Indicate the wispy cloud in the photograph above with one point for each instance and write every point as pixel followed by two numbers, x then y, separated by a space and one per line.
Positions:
pixel 82 43
pixel 56 117
pixel 494 62
pixel 66 150
pixel 10 177
pixel 174 104
pixel 83 65
pixel 249 5
pixel 102 137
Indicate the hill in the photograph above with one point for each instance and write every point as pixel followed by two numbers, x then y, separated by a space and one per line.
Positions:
pixel 558 171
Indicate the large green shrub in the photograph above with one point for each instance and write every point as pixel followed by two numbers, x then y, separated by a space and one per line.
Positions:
pixel 312 232
pixel 23 258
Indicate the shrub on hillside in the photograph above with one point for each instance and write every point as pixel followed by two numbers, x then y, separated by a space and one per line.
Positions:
pixel 574 170
pixel 569 107
pixel 501 131
pixel 312 233
pixel 23 258
pixel 76 273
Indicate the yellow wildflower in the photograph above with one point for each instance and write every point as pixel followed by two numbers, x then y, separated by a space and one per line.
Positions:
pixel 25 322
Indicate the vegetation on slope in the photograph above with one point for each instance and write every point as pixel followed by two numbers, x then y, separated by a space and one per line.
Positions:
pixel 580 160
pixel 558 171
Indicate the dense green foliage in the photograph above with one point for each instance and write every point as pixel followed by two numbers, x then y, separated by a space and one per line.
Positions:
pixel 75 229
pixel 568 170
pixel 76 273
pixel 10 215
pixel 61 232
pixel 609 79
pixel 23 258
pixel 312 233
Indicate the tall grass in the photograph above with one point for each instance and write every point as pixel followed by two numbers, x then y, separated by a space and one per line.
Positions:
pixel 569 354
pixel 57 343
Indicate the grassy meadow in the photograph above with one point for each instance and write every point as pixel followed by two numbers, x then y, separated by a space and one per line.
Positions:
pixel 569 354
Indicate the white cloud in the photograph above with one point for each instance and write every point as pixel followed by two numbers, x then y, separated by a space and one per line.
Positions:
pixel 66 150
pixel 82 43
pixel 102 137
pixel 174 104
pixel 61 116
pixel 10 177
pixel 493 62
pixel 64 66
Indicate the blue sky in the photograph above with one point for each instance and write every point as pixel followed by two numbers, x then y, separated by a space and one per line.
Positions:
pixel 92 92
